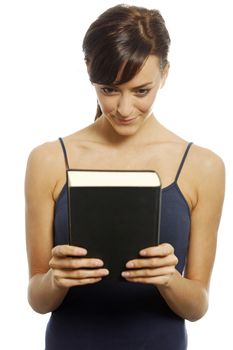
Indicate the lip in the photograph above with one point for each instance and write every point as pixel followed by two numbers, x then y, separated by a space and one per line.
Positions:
pixel 123 121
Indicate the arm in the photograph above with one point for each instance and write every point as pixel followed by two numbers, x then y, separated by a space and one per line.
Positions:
pixel 187 295
pixel 51 270
pixel 39 221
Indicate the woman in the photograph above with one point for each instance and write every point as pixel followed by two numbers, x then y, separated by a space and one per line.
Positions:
pixel 126 51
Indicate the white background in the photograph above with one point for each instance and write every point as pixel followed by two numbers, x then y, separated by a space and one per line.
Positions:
pixel 45 93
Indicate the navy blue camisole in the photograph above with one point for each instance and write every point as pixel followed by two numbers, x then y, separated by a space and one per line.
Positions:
pixel 122 315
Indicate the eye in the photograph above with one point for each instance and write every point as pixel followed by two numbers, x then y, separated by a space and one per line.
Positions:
pixel 142 92
pixel 108 90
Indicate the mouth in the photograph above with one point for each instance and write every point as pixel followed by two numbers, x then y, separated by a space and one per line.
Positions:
pixel 124 121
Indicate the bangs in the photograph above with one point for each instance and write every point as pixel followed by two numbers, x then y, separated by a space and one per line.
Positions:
pixel 119 65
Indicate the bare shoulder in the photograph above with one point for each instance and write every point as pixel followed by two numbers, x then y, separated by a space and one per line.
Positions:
pixel 207 161
pixel 46 155
pixel 44 165
pixel 208 169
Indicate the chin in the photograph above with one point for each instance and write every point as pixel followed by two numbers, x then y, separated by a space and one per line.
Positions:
pixel 129 129
pixel 126 130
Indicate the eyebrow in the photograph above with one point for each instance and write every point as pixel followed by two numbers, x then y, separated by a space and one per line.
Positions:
pixel 134 88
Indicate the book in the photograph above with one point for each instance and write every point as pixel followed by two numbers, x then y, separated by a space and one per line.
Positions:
pixel 114 214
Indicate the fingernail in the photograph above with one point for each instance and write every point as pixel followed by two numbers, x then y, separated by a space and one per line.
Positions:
pixel 81 251
pixel 130 264
pixel 125 274
pixel 143 252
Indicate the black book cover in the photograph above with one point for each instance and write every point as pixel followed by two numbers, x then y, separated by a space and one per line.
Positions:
pixel 114 214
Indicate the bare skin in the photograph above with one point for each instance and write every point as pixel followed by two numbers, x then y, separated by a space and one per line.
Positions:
pixel 106 144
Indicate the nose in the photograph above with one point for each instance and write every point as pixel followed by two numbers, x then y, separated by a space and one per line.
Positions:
pixel 125 107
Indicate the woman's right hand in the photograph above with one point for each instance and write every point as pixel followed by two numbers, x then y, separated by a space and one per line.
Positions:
pixel 70 268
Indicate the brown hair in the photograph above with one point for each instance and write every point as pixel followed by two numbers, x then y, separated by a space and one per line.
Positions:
pixel 124 36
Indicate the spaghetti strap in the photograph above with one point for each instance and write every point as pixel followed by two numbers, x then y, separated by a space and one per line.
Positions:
pixel 64 152
pixel 182 161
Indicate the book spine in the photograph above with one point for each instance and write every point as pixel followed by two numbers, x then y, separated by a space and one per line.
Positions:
pixel 159 216
pixel 68 208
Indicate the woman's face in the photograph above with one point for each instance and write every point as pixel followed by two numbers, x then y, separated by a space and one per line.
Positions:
pixel 127 106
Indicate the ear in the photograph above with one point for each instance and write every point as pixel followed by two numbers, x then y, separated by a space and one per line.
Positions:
pixel 164 75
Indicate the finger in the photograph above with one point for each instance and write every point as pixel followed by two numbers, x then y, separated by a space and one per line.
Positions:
pixel 160 250
pixel 170 260
pixel 68 250
pixel 81 274
pixel 168 270
pixel 158 281
pixel 67 283
pixel 72 263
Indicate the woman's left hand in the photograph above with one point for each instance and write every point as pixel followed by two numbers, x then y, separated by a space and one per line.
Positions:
pixel 156 266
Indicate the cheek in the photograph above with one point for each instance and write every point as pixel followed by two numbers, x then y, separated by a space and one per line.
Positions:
pixel 106 104
pixel 146 104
